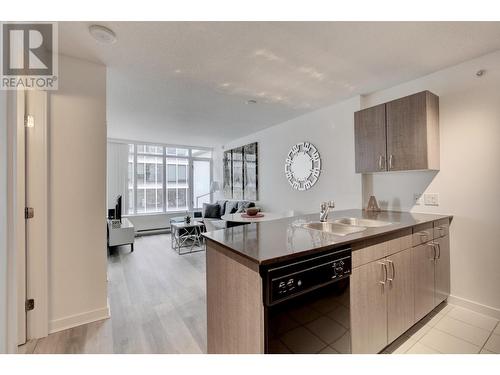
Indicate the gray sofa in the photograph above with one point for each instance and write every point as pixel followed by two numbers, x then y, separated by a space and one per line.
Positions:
pixel 212 213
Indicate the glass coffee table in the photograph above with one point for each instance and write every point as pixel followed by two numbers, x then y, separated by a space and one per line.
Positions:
pixel 187 236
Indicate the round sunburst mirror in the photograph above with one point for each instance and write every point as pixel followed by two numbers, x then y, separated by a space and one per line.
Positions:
pixel 303 166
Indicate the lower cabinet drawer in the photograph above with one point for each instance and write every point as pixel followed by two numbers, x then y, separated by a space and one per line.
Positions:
pixel 423 233
pixel 367 252
pixel 441 228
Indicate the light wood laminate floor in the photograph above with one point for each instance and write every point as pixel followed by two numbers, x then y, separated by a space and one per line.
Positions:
pixel 157 301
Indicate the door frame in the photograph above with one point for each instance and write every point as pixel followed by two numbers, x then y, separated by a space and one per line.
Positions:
pixel 16 282
pixel 19 229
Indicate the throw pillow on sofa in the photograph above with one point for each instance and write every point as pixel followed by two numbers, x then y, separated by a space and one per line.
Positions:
pixel 222 204
pixel 243 205
pixel 211 211
pixel 231 207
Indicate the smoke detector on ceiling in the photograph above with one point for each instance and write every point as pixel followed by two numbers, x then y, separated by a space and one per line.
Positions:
pixel 102 34
pixel 251 101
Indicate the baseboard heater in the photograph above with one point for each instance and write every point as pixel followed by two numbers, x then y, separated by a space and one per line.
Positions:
pixel 147 232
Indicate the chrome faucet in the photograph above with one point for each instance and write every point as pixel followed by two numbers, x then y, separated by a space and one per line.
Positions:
pixel 325 209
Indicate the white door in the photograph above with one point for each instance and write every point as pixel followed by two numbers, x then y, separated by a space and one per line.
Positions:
pixel 36 227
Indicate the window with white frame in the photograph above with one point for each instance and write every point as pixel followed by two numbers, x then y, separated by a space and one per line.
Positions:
pixel 167 178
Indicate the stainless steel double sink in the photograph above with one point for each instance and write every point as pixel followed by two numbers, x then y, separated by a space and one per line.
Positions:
pixel 345 225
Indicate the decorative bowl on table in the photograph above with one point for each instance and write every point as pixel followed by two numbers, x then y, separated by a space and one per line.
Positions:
pixel 252 211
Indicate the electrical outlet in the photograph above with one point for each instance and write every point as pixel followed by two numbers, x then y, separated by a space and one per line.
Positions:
pixel 417 199
pixel 431 199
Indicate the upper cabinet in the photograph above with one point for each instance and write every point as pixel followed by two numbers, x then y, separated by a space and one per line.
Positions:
pixel 400 135
pixel 370 131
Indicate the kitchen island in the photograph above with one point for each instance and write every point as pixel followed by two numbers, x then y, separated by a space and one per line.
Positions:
pixel 400 272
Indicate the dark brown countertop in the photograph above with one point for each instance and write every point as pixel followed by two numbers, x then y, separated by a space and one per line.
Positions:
pixel 284 239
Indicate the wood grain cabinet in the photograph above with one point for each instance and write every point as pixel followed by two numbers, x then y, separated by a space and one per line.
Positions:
pixel 441 228
pixel 399 135
pixel 431 271
pixel 370 139
pixel 422 233
pixel 423 278
pixel 368 308
pixel 396 283
pixel 442 270
pixel 381 301
pixel 400 300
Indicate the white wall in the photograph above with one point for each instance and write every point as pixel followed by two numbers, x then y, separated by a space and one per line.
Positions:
pixel 331 130
pixel 3 222
pixel 77 195
pixel 468 183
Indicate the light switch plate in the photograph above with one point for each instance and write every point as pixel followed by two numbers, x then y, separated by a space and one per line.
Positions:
pixel 431 199
pixel 417 199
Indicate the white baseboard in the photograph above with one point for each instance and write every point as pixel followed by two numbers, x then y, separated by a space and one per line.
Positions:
pixel 474 306
pixel 78 319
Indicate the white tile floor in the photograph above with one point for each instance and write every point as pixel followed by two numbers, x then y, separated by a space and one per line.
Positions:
pixel 450 330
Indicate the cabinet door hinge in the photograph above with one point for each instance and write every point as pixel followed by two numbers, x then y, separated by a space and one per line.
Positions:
pixel 29 212
pixel 30 304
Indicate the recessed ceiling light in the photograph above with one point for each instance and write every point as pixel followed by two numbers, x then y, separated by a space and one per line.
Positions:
pixel 102 34
pixel 251 101
pixel 480 73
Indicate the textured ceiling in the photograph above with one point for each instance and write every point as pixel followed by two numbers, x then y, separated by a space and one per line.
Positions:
pixel 189 82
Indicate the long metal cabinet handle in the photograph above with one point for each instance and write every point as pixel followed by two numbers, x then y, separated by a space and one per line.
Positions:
pixel 380 162
pixel 384 266
pixel 390 161
pixel 439 250
pixel 391 279
pixel 433 245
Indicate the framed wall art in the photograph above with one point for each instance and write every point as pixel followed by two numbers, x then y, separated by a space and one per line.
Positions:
pixel 240 173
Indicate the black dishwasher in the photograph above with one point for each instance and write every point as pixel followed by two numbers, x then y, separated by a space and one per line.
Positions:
pixel 307 304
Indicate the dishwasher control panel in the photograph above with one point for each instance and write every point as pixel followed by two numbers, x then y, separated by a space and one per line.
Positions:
pixel 284 282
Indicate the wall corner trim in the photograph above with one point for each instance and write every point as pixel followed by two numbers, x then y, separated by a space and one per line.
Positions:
pixel 79 319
